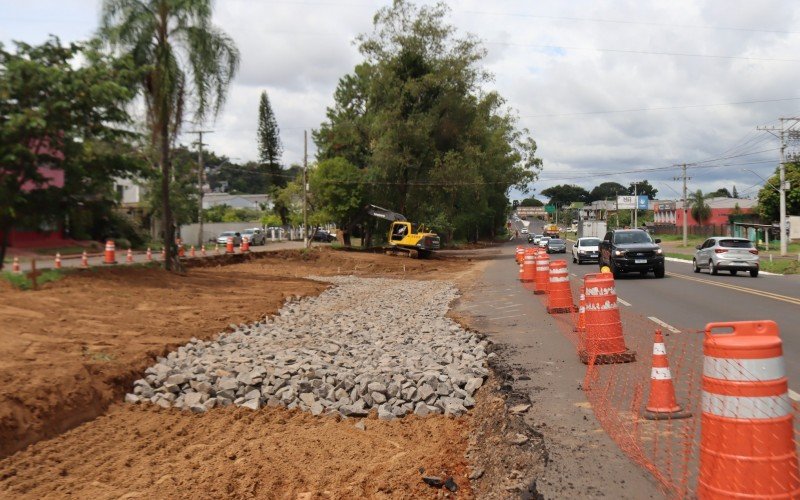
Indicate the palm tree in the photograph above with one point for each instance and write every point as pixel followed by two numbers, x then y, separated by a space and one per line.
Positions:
pixel 186 56
pixel 700 210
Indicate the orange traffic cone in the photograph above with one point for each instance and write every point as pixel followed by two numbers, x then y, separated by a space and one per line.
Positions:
pixel 181 250
pixel 203 250
pixel 519 254
pixel 15 266
pixel 747 437
pixel 216 248
pixel 559 294
pixel 129 257
pixel 191 252
pixel 84 260
pixel 229 245
pixel 110 256
pixel 245 247
pixel 604 341
pixel 149 254
pixel 662 404
pixel 57 264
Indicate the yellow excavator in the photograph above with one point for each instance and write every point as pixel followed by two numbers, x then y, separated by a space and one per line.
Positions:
pixel 406 238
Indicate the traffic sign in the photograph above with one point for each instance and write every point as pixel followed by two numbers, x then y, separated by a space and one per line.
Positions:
pixel 550 209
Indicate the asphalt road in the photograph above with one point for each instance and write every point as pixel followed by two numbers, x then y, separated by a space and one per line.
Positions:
pixel 684 300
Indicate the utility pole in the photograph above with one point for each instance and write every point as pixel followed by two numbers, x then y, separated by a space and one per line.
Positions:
pixel 635 205
pixel 306 239
pixel 782 186
pixel 200 178
pixel 685 204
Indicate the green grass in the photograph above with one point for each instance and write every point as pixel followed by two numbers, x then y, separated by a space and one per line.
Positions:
pixel 22 282
pixel 682 256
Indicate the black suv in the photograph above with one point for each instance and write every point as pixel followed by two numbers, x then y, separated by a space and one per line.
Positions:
pixel 626 250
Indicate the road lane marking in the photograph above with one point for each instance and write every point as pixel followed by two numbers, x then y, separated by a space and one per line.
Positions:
pixel 573 274
pixel 624 303
pixel 512 306
pixel 665 325
pixel 738 288
pixel 794 396
pixel 507 317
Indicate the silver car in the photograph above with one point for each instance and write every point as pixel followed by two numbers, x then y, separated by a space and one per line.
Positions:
pixel 726 253
pixel 255 236
pixel 543 241
pixel 222 239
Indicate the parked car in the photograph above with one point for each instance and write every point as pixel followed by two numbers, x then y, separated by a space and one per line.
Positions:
pixel 543 241
pixel 323 235
pixel 255 235
pixel 726 253
pixel 625 250
pixel 223 237
pixel 585 250
pixel 556 245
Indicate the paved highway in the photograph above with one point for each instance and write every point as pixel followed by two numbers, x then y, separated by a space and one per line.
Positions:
pixel 685 301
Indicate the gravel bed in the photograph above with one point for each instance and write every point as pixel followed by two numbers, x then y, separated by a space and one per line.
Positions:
pixel 363 344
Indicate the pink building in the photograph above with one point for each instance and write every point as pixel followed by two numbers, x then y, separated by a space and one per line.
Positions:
pixel 671 212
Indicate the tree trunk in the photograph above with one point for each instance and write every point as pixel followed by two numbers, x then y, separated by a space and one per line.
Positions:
pixel 6 229
pixel 169 230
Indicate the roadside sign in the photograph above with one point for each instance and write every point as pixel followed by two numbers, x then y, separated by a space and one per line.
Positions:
pixel 640 202
pixel 550 209
pixel 643 203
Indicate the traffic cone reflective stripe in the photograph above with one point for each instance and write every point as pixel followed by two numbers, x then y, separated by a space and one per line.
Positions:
pixel 604 340
pixel 662 404
pixel 58 261
pixel 747 445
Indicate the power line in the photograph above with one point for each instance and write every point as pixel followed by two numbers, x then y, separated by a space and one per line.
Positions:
pixel 660 108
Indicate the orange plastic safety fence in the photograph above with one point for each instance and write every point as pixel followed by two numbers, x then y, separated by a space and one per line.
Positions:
pixel 731 429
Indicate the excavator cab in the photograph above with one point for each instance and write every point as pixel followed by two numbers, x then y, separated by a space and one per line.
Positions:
pixel 406 237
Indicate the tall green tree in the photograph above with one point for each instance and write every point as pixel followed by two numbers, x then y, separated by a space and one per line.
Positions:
pixel 269 141
pixel 62 107
pixel 643 188
pixel 720 193
pixel 338 187
pixel 415 116
pixel 769 199
pixel 734 193
pixel 698 207
pixel 185 56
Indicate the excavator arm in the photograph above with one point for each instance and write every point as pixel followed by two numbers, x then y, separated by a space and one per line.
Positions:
pixel 384 213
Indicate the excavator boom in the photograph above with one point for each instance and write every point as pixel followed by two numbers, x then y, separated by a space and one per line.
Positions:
pixel 384 213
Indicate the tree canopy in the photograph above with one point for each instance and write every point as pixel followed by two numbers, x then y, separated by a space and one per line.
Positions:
pixel 63 107
pixel 769 199
pixel 643 188
pixel 607 190
pixel 698 207
pixel 414 119
pixel 269 143
pixel 564 194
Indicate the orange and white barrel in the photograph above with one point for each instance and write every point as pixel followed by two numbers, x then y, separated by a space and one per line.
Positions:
pixel 245 244
pixel 529 265
pixel 110 255
pixel 15 268
pixel 229 245
pixel 559 294
pixel 84 260
pixel 747 441
pixel 181 250
pixel 129 256
pixel 203 250
pixel 57 261
pixel 519 254
pixel 542 273
pixel 604 342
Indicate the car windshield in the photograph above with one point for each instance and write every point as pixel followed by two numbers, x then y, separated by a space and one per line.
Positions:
pixel 228 233
pixel 592 242
pixel 556 242
pixel 736 243
pixel 248 231
pixel 632 237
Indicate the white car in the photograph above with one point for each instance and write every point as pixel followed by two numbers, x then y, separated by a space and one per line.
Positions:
pixel 524 230
pixel 543 241
pixel 585 250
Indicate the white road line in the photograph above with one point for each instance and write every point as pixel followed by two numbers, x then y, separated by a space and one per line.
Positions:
pixel 510 306
pixel 573 274
pixel 665 325
pixel 623 302
pixel 794 395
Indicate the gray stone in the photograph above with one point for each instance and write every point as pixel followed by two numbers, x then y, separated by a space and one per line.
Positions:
pixel 421 409
pixel 132 398
pixel 378 398
pixel 254 394
pixel 253 404
pixel 473 385
pixel 376 387
pixel 361 425
pixel 316 408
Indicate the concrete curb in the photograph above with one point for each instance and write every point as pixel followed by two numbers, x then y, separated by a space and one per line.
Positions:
pixel 673 259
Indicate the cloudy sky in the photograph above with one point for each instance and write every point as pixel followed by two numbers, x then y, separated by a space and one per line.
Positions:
pixel 604 86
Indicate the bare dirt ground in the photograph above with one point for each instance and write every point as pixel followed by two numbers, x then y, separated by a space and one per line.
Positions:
pixel 69 352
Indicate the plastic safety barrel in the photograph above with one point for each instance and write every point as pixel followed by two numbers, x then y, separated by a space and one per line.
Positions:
pixel 604 342
pixel 542 276
pixel 519 254
pixel 229 245
pixel 109 256
pixel 529 265
pixel 559 294
pixel 747 445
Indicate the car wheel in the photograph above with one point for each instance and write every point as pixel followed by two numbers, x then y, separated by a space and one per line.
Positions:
pixel 733 272
pixel 695 267
pixel 614 270
pixel 712 268
pixel 754 273
pixel 659 271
